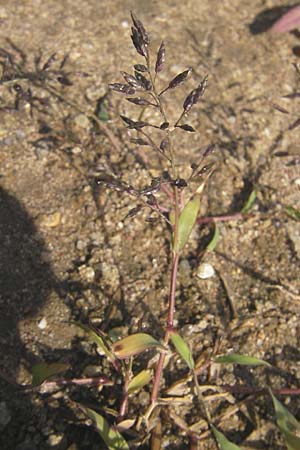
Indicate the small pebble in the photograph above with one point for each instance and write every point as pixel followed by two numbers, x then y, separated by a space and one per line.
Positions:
pixel 205 271
pixel 125 24
pixel 87 272
pixel 42 324
pixel 50 220
pixel 55 439
pixel 82 121
pixel 76 150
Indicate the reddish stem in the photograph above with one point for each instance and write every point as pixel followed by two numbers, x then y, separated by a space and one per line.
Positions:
pixel 170 323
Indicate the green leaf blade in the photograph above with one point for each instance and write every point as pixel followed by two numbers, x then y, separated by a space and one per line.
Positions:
pixel 223 442
pixel 133 345
pixel 293 213
pixel 215 239
pixel 42 371
pixel 97 340
pixel 244 360
pixel 111 436
pixel 287 423
pixel 139 381
pixel 248 205
pixel 186 222
pixel 182 349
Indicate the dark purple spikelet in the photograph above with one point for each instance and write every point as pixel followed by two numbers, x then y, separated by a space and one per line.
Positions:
pixel 123 88
pixel 138 43
pixel 140 68
pixel 161 58
pixel 139 101
pixel 132 123
pixel 195 95
pixel 144 83
pixel 164 125
pixel 139 141
pixel 209 150
pixel 140 28
pixel 133 211
pixel 295 124
pixel 280 108
pixel 179 79
pixel 186 127
pixel 131 80
pixel 164 145
pixel 140 37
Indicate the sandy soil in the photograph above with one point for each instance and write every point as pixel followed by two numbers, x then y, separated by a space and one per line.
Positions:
pixel 66 252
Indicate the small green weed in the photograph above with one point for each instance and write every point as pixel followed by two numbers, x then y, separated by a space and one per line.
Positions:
pixel 174 198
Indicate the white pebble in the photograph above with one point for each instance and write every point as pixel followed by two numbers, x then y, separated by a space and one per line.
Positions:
pixel 42 324
pixel 205 271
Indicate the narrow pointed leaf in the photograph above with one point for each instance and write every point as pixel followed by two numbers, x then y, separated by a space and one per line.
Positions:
pixel 110 435
pixel 288 424
pixel 97 340
pixel 293 212
pixel 42 371
pixel 223 442
pixel 243 360
pixel 215 239
pixel 249 202
pixel 182 349
pixel 133 345
pixel 186 222
pixel 139 381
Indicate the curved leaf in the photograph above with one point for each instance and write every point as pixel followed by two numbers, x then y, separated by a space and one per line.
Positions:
pixel 287 423
pixel 223 442
pixel 182 349
pixel 97 340
pixel 244 360
pixel 139 381
pixel 249 202
pixel 214 240
pixel 43 371
pixel 133 345
pixel 186 222
pixel 111 436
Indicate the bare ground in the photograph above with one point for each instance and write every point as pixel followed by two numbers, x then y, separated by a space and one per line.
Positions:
pixel 67 254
